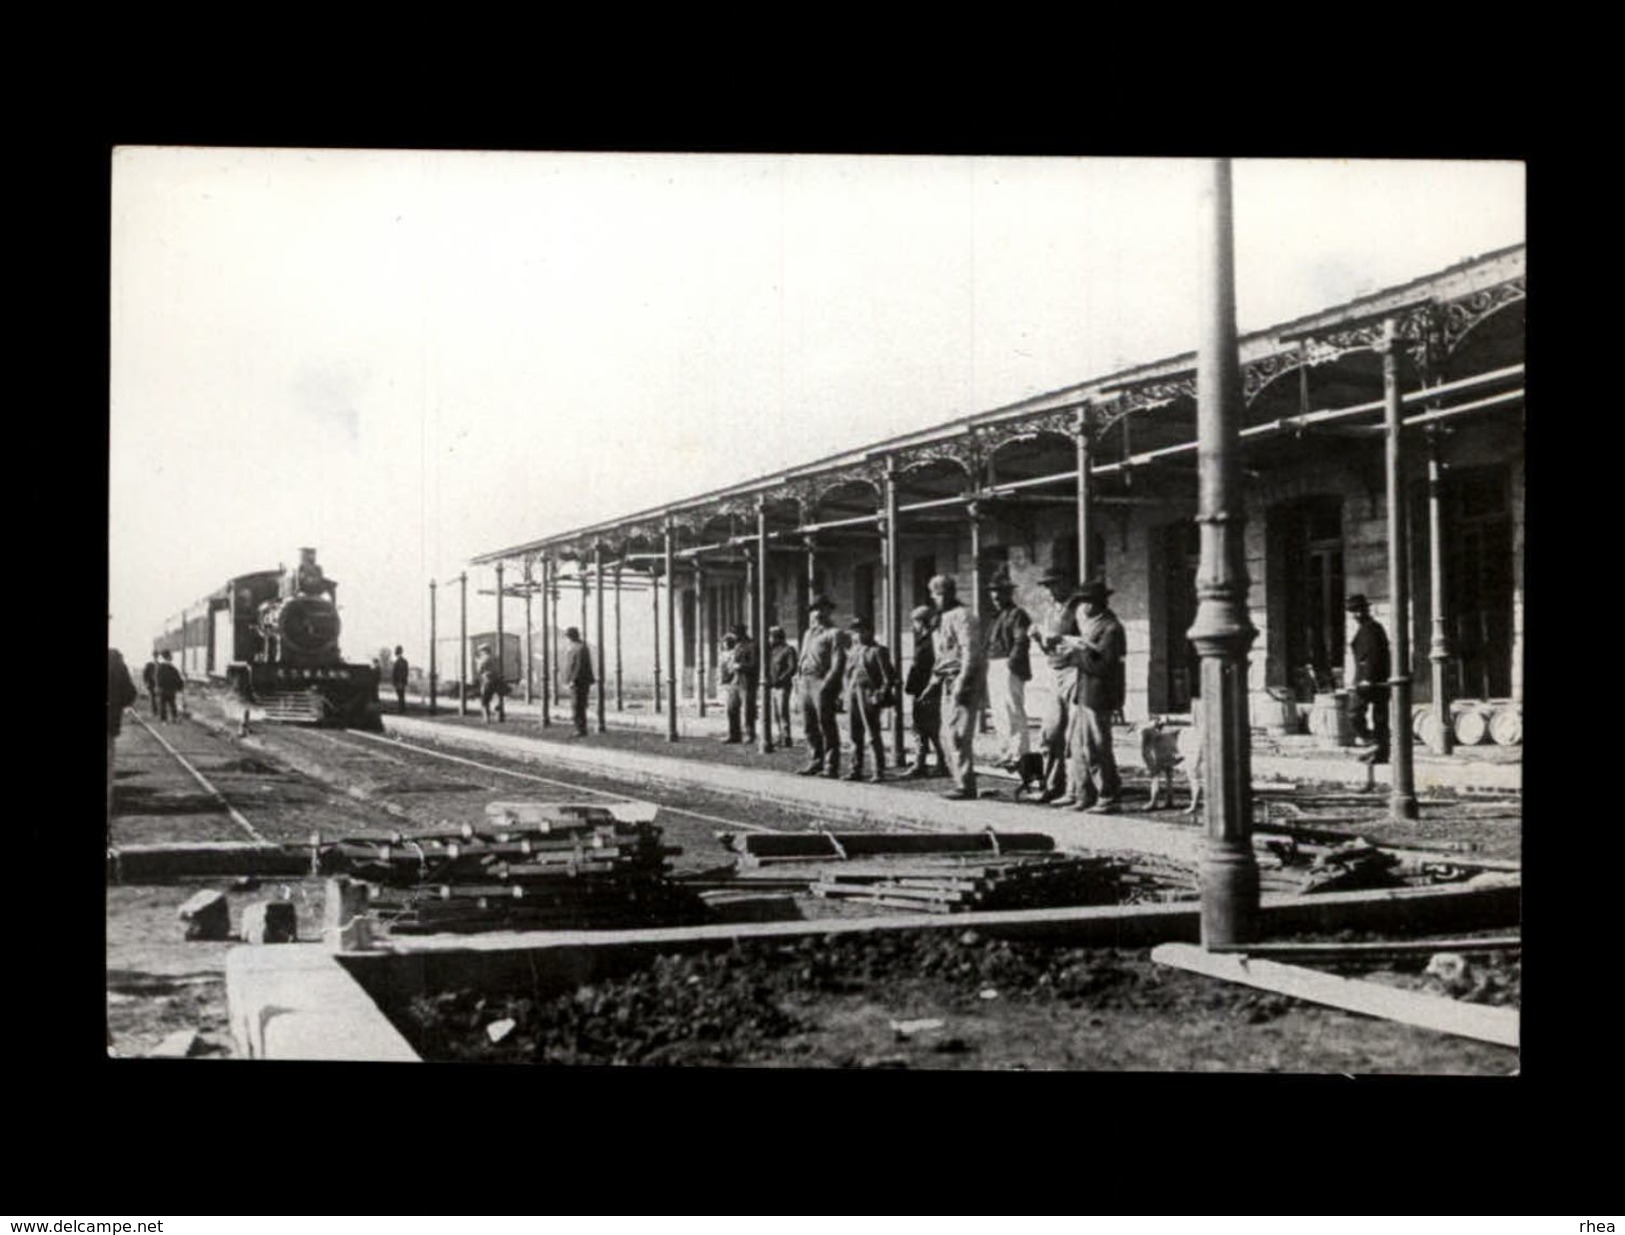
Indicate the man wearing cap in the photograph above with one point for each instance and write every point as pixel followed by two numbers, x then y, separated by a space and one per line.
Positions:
pixel 1060 623
pixel 871 684
pixel 781 676
pixel 959 667
pixel 822 669
pixel 1097 654
pixel 927 692
pixel 1371 671
pixel 1008 669
pixel 741 673
pixel 579 675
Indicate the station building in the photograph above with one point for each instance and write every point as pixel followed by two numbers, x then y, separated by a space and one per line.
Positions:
pixel 1100 479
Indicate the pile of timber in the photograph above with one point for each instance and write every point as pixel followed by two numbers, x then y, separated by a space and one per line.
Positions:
pixel 760 849
pixel 533 866
pixel 956 885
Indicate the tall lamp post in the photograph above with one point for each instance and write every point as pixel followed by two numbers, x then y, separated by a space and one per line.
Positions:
pixel 1222 633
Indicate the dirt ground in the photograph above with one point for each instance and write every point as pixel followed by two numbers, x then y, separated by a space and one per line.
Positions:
pixel 932 1000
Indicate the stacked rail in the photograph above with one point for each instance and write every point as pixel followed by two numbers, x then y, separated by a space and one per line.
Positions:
pixel 534 866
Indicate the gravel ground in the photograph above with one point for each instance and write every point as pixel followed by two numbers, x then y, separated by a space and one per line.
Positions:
pixel 936 1000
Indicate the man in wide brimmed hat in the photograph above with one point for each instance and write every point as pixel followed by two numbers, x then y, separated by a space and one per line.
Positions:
pixel 1008 669
pixel 1056 722
pixel 822 670
pixel 1372 667
pixel 1097 654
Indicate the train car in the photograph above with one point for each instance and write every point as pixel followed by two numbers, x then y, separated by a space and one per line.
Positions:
pixel 272 637
pixel 513 665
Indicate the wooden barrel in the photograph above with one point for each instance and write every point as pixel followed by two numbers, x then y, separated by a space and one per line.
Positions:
pixel 1506 725
pixel 1277 713
pixel 1329 718
pixel 1472 726
pixel 1425 726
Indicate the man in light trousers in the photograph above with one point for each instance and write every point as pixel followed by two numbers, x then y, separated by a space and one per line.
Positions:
pixel 960 667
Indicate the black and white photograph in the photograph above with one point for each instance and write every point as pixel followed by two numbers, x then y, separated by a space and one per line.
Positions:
pixel 955 613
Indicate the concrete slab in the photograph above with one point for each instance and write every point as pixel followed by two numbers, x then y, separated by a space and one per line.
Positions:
pixel 299 1002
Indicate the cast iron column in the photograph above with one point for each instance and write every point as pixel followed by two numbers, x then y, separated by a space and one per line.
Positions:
pixel 530 658
pixel 502 670
pixel 699 638
pixel 764 712
pixel 553 631
pixel 671 640
pixel 620 698
pixel 1082 434
pixel 547 645
pixel 1222 633
pixel 462 647
pixel 598 594
pixel 1402 792
pixel 654 625
pixel 973 511
pixel 432 642
pixel 894 606
pixel 1439 647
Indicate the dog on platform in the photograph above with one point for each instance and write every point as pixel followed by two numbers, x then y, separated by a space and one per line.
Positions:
pixel 1161 747
pixel 1029 769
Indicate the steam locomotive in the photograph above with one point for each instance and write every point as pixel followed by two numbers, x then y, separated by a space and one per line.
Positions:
pixel 273 638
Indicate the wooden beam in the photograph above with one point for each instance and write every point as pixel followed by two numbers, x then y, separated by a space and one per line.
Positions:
pixel 1468 1020
pixel 1393 947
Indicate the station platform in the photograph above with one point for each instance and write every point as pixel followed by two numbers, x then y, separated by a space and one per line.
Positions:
pixel 637 750
pixel 1302 759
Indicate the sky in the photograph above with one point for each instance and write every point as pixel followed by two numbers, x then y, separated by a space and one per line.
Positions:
pixel 407 358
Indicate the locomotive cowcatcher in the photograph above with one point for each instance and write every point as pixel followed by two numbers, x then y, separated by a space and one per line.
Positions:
pixel 273 638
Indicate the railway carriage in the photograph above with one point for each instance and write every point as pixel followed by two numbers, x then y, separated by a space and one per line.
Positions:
pixel 272 637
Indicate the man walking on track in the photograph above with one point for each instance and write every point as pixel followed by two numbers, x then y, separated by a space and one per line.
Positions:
pixel 170 684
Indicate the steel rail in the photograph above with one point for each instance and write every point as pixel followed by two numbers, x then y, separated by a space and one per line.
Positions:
pixel 236 815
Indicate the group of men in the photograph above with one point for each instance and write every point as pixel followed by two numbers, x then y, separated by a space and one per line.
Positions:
pixel 164 686
pixel 957 666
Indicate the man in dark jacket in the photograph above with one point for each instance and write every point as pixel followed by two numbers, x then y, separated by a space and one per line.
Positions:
pixel 742 672
pixel 1008 669
pixel 398 674
pixel 149 679
pixel 1372 668
pixel 170 684
pixel 1097 652
pixel 781 677
pixel 578 673
pixel 923 684
pixel 871 684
